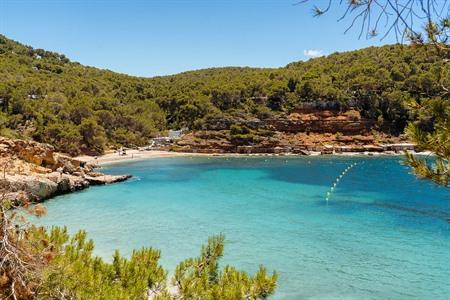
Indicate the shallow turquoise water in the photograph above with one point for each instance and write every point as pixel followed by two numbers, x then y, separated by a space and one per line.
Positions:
pixel 382 235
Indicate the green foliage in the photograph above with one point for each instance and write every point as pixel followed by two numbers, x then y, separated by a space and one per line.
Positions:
pixel 72 271
pixel 45 96
pixel 201 278
pixel 431 132
pixel 75 273
pixel 242 135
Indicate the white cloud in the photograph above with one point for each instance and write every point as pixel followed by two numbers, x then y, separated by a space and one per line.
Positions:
pixel 312 53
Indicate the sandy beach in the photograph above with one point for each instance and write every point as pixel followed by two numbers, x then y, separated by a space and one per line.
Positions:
pixel 114 157
pixel 135 155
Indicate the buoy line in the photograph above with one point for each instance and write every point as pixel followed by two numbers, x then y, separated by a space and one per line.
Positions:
pixel 335 183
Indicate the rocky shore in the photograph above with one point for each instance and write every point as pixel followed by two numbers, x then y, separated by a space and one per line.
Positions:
pixel 326 144
pixel 302 132
pixel 33 172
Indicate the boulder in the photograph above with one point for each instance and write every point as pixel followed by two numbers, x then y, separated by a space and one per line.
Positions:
pixel 106 179
pixel 76 183
pixel 36 187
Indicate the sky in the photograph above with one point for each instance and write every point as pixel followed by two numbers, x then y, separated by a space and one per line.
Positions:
pixel 161 37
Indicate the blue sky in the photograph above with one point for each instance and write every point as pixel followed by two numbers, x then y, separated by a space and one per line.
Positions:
pixel 160 37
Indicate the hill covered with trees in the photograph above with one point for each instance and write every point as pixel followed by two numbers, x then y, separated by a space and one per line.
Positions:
pixel 46 97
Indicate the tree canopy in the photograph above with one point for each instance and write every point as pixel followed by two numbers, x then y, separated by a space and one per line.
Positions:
pixel 81 109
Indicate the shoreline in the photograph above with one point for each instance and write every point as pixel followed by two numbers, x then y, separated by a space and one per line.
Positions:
pixel 138 155
pixel 132 155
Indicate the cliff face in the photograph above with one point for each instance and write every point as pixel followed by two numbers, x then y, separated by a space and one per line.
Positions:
pixel 32 171
pixel 302 131
pixel 301 120
pixel 28 151
pixel 323 121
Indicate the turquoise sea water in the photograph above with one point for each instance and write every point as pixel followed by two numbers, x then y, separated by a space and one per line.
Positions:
pixel 382 235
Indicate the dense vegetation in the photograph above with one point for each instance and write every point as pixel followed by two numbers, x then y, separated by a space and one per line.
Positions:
pixel 78 109
pixel 36 263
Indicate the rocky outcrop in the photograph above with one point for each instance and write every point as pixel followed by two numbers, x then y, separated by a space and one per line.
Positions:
pixel 28 151
pixel 322 126
pixel 34 172
pixel 303 131
pixel 323 121
pixel 35 187
pixel 106 179
pixel 299 120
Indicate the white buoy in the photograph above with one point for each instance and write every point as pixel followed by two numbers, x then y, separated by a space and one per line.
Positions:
pixel 338 179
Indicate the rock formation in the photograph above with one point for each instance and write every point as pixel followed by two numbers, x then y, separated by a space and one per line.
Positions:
pixel 303 131
pixel 33 171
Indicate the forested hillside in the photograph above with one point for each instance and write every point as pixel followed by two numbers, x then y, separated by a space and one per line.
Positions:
pixel 46 97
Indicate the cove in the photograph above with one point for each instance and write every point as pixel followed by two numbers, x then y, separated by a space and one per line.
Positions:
pixel 383 234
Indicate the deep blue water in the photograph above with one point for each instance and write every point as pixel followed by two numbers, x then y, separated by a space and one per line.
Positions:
pixel 382 235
